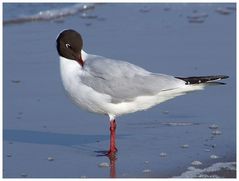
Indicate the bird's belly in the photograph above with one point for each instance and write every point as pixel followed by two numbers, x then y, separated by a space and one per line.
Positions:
pixel 88 99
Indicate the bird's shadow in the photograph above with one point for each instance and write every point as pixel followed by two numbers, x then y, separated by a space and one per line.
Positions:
pixel 41 137
pixel 100 153
pixel 62 139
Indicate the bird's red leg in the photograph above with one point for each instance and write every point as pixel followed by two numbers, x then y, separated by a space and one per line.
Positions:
pixel 113 148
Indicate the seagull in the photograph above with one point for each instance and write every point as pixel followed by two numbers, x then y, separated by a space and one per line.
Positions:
pixel 114 87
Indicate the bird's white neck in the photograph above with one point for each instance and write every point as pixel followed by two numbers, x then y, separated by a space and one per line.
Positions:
pixel 83 55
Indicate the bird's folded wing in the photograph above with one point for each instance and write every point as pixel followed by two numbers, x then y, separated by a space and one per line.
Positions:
pixel 124 81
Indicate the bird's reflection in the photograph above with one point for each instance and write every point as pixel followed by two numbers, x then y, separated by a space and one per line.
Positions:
pixel 112 159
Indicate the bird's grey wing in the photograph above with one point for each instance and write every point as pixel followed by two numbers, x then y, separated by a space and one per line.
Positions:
pixel 124 81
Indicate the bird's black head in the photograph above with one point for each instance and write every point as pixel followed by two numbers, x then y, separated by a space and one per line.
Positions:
pixel 69 45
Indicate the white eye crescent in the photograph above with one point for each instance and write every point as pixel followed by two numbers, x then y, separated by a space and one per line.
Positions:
pixel 68 45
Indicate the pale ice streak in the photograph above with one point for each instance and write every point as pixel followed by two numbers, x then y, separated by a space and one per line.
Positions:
pixel 51 14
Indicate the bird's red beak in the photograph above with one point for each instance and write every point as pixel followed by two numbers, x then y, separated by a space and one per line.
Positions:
pixel 80 60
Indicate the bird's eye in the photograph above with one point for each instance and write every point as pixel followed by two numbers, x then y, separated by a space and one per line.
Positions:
pixel 68 45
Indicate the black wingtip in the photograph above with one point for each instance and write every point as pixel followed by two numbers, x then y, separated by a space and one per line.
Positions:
pixel 203 79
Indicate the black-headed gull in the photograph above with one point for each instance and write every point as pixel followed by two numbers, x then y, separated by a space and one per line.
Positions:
pixel 113 87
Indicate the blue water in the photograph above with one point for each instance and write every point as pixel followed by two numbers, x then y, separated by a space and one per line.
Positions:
pixel 177 39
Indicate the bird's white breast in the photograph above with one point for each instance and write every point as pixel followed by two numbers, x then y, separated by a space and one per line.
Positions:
pixel 82 95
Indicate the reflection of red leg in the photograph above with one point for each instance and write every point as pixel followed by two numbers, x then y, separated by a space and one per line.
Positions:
pixel 113 148
pixel 112 166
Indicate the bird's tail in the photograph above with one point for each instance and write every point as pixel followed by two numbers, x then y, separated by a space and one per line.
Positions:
pixel 203 79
